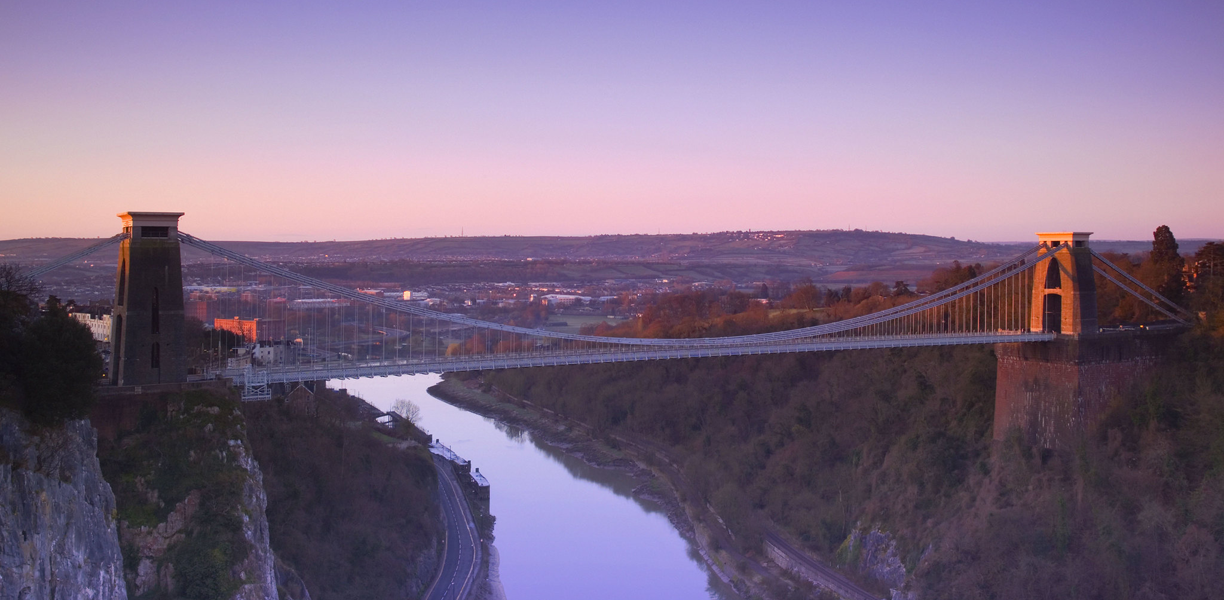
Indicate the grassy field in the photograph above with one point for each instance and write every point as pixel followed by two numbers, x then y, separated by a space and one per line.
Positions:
pixel 575 322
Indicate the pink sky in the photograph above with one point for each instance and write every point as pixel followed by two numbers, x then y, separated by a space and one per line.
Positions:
pixel 301 122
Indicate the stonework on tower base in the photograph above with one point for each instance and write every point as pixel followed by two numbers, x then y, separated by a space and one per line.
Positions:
pixel 1056 392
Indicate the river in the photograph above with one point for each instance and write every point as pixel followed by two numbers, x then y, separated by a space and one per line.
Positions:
pixel 565 529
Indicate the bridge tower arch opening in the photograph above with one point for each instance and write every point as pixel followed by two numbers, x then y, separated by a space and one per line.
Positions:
pixel 147 328
pixel 1051 314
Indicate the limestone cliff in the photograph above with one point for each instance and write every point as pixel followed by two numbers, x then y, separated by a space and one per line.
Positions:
pixel 874 554
pixel 191 503
pixel 258 571
pixel 58 536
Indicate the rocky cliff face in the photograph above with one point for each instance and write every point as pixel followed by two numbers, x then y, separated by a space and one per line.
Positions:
pixel 58 536
pixel 874 553
pixel 154 570
pixel 259 568
pixel 191 503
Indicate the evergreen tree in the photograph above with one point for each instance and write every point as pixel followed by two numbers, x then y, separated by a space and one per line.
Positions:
pixel 1164 246
pixel 1171 282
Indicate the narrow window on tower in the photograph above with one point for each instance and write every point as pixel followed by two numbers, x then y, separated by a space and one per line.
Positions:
pixel 118 337
pixel 155 359
pixel 156 313
pixel 122 283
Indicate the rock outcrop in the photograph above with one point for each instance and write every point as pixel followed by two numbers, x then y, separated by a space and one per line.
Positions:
pixel 289 584
pixel 150 545
pixel 874 553
pixel 191 503
pixel 58 536
pixel 258 571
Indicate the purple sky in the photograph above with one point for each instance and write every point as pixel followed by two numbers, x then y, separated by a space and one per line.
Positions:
pixel 291 122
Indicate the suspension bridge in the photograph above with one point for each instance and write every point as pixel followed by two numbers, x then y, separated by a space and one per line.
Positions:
pixel 298 328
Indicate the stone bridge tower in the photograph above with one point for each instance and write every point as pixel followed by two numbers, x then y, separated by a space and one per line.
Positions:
pixel 147 327
pixel 1055 392
pixel 1064 286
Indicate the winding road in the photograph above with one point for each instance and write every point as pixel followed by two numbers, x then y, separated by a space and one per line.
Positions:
pixel 461 558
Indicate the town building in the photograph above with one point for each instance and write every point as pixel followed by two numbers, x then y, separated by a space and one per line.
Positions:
pixel 277 352
pixel 97 319
pixel 252 330
pixel 564 299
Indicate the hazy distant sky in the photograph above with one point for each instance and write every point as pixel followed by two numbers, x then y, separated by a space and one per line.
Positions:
pixel 292 121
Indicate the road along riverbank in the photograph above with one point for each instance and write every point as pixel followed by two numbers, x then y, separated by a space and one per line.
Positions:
pixel 661 481
pixel 463 549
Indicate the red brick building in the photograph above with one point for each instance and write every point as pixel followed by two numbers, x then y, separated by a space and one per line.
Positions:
pixel 253 330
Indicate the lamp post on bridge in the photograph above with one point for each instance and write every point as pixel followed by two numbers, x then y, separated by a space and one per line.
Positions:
pixel 147 328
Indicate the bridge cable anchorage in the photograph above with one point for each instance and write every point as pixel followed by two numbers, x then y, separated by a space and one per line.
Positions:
pixel 934 301
pixel 38 272
pixel 1185 313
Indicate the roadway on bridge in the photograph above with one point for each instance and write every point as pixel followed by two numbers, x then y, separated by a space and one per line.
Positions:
pixel 461 559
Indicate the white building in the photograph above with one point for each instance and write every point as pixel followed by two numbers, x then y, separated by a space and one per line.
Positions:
pixel 317 303
pixel 99 324
pixel 410 295
pixel 564 299
pixel 274 353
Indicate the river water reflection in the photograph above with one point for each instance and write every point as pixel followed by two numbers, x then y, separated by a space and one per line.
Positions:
pixel 564 529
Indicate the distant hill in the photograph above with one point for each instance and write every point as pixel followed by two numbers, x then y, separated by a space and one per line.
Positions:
pixel 833 256
pixel 831 248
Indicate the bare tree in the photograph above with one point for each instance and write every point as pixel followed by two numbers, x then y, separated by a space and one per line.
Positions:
pixel 408 410
pixel 17 289
pixel 14 280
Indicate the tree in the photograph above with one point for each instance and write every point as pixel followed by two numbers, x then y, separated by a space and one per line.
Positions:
pixel 58 367
pixel 16 310
pixel 1168 265
pixel 1209 284
pixel 946 277
pixel 1209 261
pixel 805 297
pixel 408 410
pixel 900 289
pixel 1164 246
pixel 16 290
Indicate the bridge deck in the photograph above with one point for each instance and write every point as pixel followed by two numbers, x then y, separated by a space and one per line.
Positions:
pixel 482 362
